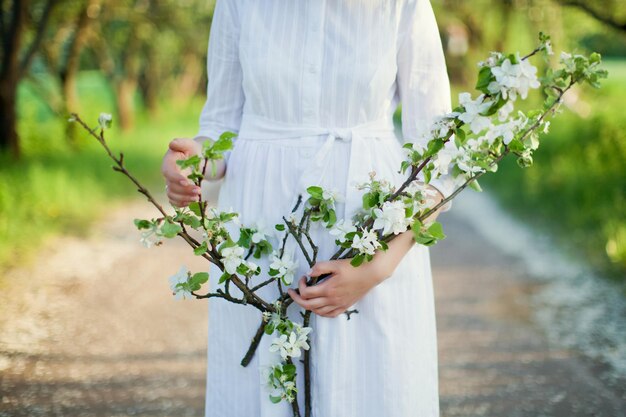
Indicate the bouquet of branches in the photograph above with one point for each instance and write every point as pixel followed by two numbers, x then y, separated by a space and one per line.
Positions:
pixel 465 143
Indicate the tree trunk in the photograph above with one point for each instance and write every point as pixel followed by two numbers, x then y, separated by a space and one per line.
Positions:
pixel 189 82
pixel 9 77
pixel 70 72
pixel 125 90
pixel 8 117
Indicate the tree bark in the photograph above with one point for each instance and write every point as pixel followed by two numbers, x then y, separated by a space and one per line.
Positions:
pixel 13 70
pixel 9 77
pixel 125 89
pixel 68 75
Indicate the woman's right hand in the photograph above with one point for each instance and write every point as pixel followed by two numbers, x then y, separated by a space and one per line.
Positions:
pixel 180 190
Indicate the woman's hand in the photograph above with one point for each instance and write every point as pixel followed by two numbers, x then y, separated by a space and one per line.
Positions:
pixel 346 285
pixel 180 190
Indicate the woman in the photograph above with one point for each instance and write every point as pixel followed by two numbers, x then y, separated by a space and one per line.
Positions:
pixel 311 87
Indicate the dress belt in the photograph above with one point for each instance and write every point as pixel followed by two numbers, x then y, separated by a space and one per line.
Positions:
pixel 257 127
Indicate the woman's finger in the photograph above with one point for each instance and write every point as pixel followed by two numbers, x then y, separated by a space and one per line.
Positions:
pixel 180 201
pixel 177 188
pixel 308 304
pixel 336 312
pixel 312 291
pixel 324 311
pixel 321 268
pixel 171 171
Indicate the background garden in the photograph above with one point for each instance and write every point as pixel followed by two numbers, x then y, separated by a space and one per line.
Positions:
pixel 144 62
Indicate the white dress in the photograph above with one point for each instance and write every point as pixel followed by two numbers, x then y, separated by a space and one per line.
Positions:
pixel 311 88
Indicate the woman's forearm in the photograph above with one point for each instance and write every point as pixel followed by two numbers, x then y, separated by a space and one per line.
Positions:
pixel 388 260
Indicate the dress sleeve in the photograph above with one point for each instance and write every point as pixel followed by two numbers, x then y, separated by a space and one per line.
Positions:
pixel 224 102
pixel 422 79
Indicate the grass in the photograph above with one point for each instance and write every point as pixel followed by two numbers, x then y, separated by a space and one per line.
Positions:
pixel 60 189
pixel 576 187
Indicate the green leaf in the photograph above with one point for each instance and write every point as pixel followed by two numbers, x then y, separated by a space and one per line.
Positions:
pixel 228 135
pixel 357 260
pixel 223 144
pixel 315 192
pixel 436 230
pixel 199 278
pixel 289 370
pixel 484 79
pixel 474 185
pixel 225 277
pixel 274 399
pixel 516 145
pixel 200 250
pixel 170 230
pixel 192 221
pixel 193 160
pixel 332 218
pixel 142 224
pixel 280 227
pixel 194 206
pixel 245 237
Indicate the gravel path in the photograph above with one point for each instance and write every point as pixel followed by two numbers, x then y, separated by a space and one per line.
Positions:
pixel 91 330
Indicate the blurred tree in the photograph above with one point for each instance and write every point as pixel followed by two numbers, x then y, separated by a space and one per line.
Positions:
pixel 17 52
pixel 609 12
pixel 152 48
pixel 122 30
pixel 68 33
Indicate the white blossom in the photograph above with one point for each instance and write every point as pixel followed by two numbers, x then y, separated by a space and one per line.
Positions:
pixel 251 265
pixel 444 158
pixel 180 277
pixel 292 345
pixel 302 337
pixel 150 237
pixel 492 60
pixel 512 79
pixel 341 229
pixel 472 113
pixel 232 257
pixel 505 111
pixel 527 78
pixel 281 345
pixel 420 193
pixel 507 75
pixel 367 243
pixel 104 120
pixel 417 146
pixel 548 46
pixel 332 197
pixel 465 162
pixel 391 218
pixel 272 318
pixel 261 232
pixel 285 265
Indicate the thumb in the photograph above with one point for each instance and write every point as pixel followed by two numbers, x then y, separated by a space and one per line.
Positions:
pixel 320 268
pixel 184 145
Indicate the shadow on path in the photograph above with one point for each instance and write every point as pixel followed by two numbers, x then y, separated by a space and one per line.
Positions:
pixel 91 330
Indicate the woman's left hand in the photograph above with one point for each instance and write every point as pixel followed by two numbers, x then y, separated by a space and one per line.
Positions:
pixel 346 285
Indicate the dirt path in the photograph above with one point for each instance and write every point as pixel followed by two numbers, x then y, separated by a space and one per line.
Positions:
pixel 91 330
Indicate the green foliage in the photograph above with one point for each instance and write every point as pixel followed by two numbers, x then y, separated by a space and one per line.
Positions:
pixel 323 207
pixel 428 236
pixel 576 185
pixel 56 188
